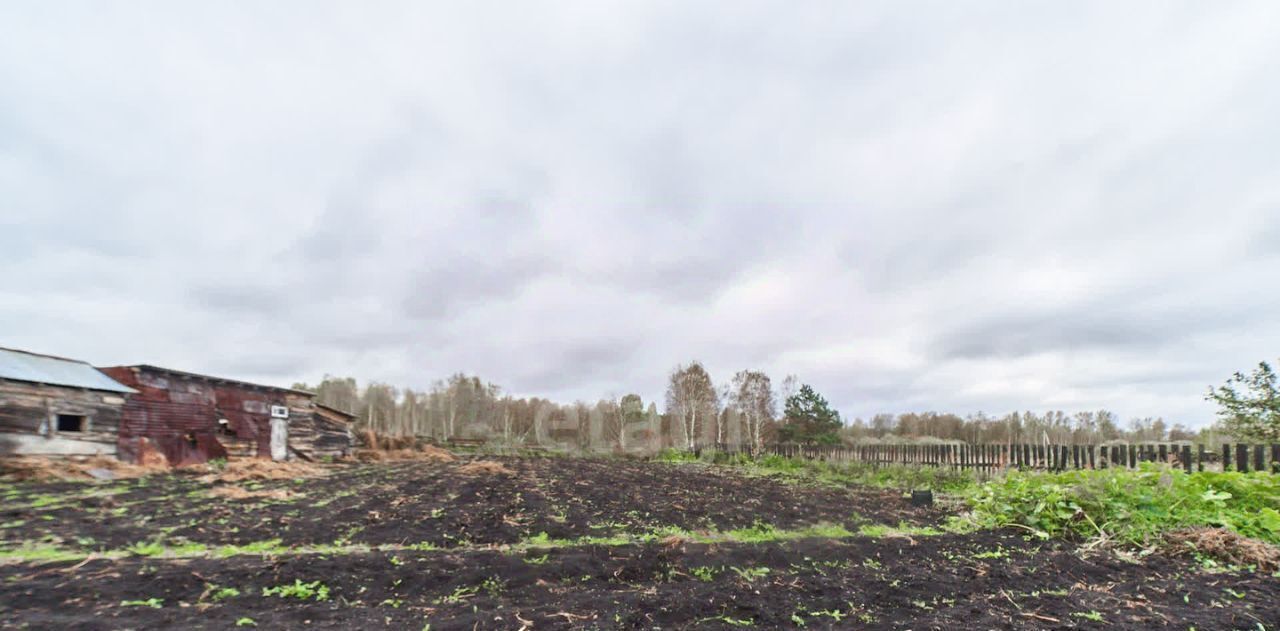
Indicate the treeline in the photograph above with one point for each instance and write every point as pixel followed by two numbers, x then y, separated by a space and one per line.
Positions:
pixel 696 411
pixel 1056 427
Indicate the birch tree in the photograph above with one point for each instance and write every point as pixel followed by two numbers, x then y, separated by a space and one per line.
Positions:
pixel 752 395
pixel 542 415
pixel 691 401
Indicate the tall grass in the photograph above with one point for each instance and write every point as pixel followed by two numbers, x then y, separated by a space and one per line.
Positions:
pixel 837 473
pixel 1129 506
pixel 1120 506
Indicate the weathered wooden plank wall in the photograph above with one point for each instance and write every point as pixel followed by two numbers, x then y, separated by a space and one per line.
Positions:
pixel 28 419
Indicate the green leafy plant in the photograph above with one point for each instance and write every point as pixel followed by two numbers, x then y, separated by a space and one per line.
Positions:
pixel 1131 507
pixel 703 573
pixel 146 549
pixel 315 590
pixel 750 574
pixel 493 586
pixel 459 594
pixel 154 603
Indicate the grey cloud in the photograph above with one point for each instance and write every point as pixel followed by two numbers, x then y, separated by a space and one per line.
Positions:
pixel 254 300
pixel 462 283
pixel 1072 331
pixel 575 362
pixel 279 369
pixel 946 209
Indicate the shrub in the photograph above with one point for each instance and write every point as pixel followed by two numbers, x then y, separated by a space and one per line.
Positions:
pixel 1130 507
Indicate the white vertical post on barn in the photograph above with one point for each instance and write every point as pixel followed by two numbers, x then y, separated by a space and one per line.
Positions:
pixel 279 432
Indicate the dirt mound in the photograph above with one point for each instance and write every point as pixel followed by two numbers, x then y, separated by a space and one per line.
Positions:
pixel 1226 546
pixel 241 493
pixel 424 453
pixel 52 469
pixel 484 467
pixel 260 469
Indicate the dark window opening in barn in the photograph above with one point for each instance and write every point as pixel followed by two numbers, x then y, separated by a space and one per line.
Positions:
pixel 224 428
pixel 71 423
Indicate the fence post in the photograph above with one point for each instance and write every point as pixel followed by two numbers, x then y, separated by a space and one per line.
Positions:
pixel 1242 458
pixel 1258 455
pixel 1201 454
pixel 1275 457
pixel 1186 458
pixel 1226 456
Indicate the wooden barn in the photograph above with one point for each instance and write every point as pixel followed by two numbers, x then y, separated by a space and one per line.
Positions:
pixel 53 406
pixel 193 418
pixel 328 435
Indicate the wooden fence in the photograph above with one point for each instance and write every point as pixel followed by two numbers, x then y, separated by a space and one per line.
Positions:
pixel 995 458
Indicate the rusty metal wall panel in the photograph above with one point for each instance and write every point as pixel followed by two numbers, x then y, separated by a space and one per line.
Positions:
pixel 181 412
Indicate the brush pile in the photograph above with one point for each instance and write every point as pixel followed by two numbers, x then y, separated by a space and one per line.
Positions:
pixel 1226 547
pixel 484 467
pixel 261 469
pixel 39 469
pixel 399 449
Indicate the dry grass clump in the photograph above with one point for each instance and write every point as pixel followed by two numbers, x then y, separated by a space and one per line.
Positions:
pixel 42 469
pixel 240 493
pixel 484 467
pixel 422 453
pixel 262 469
pixel 375 442
pixel 1226 546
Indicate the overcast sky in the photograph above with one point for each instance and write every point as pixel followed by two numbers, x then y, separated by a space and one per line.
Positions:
pixel 913 206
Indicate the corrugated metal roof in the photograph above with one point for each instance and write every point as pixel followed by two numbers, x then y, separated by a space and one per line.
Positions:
pixel 57 371
pixel 209 378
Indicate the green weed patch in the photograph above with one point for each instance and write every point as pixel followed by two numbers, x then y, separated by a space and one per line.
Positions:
pixel 1129 507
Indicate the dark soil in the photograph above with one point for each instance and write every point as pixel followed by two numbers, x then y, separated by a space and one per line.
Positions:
pixel 889 583
pixel 411 503
pixel 986 580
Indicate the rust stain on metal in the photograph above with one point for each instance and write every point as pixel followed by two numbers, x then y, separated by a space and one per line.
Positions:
pixel 181 415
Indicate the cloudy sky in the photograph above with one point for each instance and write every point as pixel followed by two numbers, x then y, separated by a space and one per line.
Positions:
pixel 913 206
